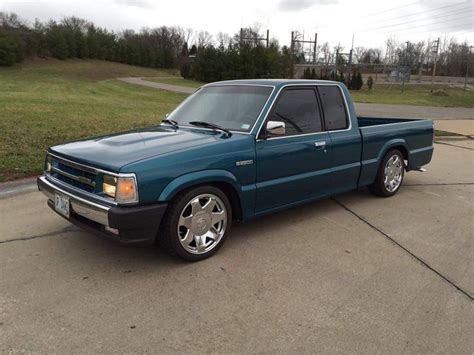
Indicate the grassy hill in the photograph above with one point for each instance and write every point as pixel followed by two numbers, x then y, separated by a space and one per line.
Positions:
pixel 46 102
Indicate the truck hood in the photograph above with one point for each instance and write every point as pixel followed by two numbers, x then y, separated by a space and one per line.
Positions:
pixel 112 152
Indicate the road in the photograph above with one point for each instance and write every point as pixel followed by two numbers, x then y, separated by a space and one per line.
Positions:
pixel 354 274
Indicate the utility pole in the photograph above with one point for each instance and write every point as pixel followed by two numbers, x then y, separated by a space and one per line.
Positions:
pixel 349 67
pixel 335 63
pixel 436 48
pixel 295 39
pixel 292 54
pixel 405 67
pixel 315 55
pixel 255 39
pixel 467 67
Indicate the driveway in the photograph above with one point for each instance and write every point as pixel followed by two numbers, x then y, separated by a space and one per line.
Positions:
pixel 351 274
pixel 155 85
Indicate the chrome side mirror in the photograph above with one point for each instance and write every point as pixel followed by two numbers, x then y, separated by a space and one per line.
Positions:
pixel 275 128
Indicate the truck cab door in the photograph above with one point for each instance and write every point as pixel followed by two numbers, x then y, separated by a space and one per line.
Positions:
pixel 345 140
pixel 295 165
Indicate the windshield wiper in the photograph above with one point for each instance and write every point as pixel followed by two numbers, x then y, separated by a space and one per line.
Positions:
pixel 212 126
pixel 170 122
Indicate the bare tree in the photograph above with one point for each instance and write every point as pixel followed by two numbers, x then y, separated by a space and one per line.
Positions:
pixel 204 39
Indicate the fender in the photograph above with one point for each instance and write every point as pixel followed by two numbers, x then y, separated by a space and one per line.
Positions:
pixel 390 144
pixel 199 177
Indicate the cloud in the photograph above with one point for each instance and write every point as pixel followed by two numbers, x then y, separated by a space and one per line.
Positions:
pixel 143 4
pixel 298 5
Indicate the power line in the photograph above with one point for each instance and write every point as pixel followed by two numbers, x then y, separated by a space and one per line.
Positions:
pixel 421 24
pixel 436 29
pixel 418 25
pixel 393 8
pixel 427 11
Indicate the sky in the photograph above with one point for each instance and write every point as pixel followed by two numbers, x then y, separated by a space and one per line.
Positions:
pixel 369 22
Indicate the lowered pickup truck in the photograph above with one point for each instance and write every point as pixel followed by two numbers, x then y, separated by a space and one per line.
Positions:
pixel 233 150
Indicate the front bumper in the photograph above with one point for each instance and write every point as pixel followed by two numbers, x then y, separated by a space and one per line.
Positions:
pixel 136 224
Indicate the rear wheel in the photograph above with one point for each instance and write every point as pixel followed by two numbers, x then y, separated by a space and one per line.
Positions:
pixel 196 223
pixel 390 174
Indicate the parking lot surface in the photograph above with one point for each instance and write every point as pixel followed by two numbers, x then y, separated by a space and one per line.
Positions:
pixel 354 273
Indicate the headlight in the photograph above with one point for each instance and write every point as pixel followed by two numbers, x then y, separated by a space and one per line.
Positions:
pixel 47 164
pixel 122 188
pixel 109 185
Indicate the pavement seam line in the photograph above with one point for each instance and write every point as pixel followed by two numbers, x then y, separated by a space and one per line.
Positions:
pixel 50 234
pixel 443 184
pixel 417 258
pixel 453 145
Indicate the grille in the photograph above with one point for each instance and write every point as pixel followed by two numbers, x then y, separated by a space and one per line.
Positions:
pixel 73 175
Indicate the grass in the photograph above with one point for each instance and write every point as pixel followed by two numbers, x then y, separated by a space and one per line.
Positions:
pixel 177 81
pixel 439 133
pixel 47 102
pixel 418 95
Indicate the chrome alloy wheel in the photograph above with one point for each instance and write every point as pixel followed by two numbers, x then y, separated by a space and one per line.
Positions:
pixel 202 223
pixel 393 173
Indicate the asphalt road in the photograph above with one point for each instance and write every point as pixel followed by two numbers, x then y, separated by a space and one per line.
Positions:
pixel 354 274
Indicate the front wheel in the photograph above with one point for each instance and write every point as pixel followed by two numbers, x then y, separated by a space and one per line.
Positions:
pixel 390 174
pixel 196 223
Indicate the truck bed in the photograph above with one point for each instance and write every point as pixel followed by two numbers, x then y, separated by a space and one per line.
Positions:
pixel 413 137
pixel 373 121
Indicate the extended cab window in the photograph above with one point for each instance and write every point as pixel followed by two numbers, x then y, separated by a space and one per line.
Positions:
pixel 335 115
pixel 299 110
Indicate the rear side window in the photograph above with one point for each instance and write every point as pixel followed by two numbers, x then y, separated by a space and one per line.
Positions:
pixel 299 110
pixel 334 109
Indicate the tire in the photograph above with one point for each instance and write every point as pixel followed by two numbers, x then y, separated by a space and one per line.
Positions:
pixel 187 229
pixel 389 175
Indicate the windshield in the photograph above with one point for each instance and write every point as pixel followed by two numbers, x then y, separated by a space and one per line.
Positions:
pixel 235 107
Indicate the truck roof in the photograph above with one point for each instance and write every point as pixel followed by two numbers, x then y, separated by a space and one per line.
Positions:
pixel 273 82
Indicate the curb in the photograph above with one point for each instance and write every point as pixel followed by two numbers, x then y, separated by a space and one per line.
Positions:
pixel 17 187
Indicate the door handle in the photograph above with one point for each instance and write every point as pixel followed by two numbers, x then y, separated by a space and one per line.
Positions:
pixel 321 145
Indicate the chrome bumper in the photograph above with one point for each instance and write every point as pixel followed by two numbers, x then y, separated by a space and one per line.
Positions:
pixel 87 209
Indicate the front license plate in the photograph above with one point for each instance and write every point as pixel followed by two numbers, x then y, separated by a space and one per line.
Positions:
pixel 61 205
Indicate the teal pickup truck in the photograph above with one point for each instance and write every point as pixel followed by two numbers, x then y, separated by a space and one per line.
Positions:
pixel 233 150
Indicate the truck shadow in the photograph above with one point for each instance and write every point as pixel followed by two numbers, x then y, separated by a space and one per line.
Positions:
pixel 85 247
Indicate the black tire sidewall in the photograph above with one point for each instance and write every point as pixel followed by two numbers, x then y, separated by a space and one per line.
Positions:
pixel 175 210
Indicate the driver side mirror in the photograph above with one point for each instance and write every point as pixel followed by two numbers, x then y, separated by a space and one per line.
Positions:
pixel 275 128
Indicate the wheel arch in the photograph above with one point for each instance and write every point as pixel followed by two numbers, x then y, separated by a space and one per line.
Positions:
pixel 221 179
pixel 398 144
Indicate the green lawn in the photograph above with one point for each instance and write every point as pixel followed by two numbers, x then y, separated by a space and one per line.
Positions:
pixel 47 102
pixel 418 95
pixel 176 81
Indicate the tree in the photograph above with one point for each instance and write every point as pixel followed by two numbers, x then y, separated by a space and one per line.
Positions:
pixel 57 44
pixel 359 83
pixel 370 82
pixel 8 50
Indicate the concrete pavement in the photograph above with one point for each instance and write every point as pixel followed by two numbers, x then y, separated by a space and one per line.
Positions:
pixel 155 85
pixel 355 274
pixel 463 127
